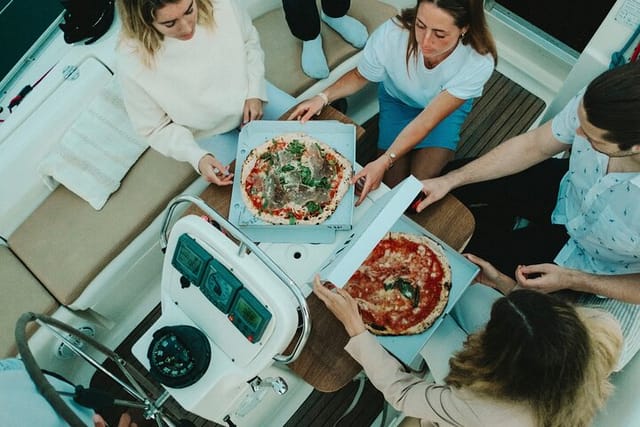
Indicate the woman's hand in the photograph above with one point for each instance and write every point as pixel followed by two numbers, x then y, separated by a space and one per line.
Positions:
pixel 370 177
pixel 214 171
pixel 307 109
pixel 252 110
pixel 341 304
pixel 491 276
pixel 545 278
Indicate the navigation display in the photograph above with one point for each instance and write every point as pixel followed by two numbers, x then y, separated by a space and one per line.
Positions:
pixel 220 285
pixel 190 259
pixel 249 315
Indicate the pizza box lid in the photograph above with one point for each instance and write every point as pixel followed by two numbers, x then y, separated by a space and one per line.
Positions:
pixel 340 136
pixel 386 214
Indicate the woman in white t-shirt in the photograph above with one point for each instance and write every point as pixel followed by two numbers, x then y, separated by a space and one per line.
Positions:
pixel 430 61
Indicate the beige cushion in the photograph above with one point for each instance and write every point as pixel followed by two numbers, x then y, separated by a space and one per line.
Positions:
pixel 283 50
pixel 66 243
pixel 21 292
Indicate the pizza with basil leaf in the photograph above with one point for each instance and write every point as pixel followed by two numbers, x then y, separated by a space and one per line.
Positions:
pixel 403 285
pixel 294 179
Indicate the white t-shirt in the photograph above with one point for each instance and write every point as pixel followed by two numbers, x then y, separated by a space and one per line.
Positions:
pixel 462 74
pixel 195 88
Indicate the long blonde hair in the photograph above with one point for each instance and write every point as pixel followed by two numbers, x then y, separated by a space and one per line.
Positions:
pixel 465 13
pixel 538 351
pixel 137 17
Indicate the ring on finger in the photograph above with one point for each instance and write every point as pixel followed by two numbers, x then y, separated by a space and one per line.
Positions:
pixel 216 171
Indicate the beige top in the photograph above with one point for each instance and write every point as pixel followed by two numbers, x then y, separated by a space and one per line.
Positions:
pixel 197 87
pixel 442 405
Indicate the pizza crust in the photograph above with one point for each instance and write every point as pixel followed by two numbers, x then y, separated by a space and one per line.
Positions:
pixel 381 300
pixel 285 191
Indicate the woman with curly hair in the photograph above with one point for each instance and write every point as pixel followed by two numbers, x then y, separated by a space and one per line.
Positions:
pixel 538 362
pixel 189 69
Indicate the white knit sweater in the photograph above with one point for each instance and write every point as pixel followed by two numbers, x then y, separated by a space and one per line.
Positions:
pixel 194 88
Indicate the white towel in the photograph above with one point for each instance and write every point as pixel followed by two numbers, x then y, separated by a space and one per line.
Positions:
pixel 97 150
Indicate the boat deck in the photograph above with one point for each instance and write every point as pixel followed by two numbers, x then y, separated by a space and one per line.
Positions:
pixel 505 110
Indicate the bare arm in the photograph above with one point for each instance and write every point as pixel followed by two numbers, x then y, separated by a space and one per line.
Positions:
pixel 438 109
pixel 552 277
pixel 346 85
pixel 510 157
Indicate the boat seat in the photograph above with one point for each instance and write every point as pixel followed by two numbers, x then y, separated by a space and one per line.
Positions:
pixel 21 292
pixel 66 243
pixel 280 46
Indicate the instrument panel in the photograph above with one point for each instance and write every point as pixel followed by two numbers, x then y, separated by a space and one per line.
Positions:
pixel 221 288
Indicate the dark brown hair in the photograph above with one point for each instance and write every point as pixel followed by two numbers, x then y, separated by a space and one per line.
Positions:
pixel 465 13
pixel 536 350
pixel 612 103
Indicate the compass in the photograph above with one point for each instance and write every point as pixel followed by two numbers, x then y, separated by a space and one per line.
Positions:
pixel 179 355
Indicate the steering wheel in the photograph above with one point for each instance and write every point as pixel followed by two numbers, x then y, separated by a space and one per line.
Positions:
pixel 152 408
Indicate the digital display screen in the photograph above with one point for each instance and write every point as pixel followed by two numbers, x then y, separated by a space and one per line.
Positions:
pixel 248 314
pixel 188 258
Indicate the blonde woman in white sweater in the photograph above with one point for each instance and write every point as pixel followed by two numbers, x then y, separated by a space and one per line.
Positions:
pixel 190 69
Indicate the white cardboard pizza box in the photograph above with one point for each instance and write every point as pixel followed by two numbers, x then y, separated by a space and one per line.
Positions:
pixel 340 136
pixel 386 214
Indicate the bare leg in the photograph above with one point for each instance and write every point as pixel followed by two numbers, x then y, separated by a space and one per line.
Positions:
pixel 429 162
pixel 400 170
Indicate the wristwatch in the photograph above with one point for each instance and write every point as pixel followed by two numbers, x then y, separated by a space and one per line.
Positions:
pixel 392 158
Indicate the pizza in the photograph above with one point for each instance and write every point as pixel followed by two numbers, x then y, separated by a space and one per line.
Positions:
pixel 294 179
pixel 403 285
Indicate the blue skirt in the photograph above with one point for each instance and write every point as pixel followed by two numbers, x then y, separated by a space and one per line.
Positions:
pixel 395 115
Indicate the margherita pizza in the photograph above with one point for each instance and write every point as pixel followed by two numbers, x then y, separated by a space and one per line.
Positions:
pixel 294 179
pixel 403 285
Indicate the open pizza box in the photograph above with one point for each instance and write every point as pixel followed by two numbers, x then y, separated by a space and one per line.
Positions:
pixel 340 136
pixel 383 215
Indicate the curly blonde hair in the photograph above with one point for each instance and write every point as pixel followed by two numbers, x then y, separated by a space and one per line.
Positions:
pixel 137 17
pixel 538 350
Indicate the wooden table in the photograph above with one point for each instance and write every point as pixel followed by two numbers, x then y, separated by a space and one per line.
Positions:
pixel 324 363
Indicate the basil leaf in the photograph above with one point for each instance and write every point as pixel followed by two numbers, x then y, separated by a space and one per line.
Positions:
pixel 312 206
pixel 295 147
pixel 323 183
pixel 306 176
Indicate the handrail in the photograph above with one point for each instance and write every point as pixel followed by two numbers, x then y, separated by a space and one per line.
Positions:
pixel 245 241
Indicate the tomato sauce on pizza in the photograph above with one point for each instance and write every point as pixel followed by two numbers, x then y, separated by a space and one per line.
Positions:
pixel 403 285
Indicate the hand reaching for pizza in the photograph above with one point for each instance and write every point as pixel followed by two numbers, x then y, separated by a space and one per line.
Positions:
pixel 341 304
pixel 434 189
pixel 252 110
pixel 214 171
pixel 372 175
pixel 491 276
pixel 544 278
pixel 307 109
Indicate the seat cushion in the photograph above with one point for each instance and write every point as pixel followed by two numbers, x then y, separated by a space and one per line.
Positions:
pixel 66 243
pixel 283 50
pixel 21 292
